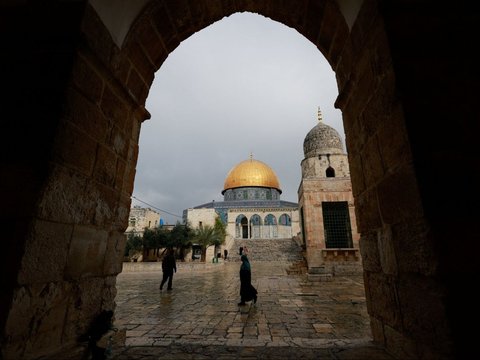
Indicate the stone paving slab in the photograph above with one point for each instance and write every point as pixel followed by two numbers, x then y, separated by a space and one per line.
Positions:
pixel 200 319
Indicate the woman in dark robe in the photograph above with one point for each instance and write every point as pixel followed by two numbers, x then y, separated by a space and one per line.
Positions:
pixel 247 291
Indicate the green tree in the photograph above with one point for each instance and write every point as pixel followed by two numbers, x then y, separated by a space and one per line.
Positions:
pixel 221 228
pixel 180 237
pixel 163 236
pixel 134 244
pixel 150 242
pixel 207 236
pixel 156 239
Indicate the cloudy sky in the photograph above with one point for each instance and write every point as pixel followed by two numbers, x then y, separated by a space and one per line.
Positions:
pixel 245 84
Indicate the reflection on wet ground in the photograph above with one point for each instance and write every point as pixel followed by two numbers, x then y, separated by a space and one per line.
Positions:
pixel 200 318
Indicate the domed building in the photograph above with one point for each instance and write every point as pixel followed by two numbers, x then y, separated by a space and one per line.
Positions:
pixel 327 211
pixel 252 208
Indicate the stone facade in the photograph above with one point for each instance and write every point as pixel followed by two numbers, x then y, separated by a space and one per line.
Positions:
pixel 141 218
pixel 198 218
pixel 252 208
pixel 263 230
pixel 326 180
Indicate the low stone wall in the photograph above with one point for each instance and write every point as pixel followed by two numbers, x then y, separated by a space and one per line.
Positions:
pixel 157 266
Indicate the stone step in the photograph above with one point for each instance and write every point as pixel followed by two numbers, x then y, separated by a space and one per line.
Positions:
pixel 285 249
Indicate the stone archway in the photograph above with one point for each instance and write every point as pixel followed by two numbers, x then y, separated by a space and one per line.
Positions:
pixel 68 181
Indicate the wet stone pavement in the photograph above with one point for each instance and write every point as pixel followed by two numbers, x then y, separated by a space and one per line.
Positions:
pixel 200 319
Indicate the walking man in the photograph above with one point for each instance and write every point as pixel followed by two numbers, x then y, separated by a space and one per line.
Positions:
pixel 168 267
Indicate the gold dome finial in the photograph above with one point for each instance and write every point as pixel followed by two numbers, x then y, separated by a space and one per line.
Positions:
pixel 319 114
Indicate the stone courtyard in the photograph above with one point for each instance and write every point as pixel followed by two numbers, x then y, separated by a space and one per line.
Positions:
pixel 200 319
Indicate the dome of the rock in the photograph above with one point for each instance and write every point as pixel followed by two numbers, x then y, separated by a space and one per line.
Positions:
pixel 251 173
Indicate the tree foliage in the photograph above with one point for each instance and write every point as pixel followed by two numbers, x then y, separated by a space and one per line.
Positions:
pixel 180 237
pixel 207 235
pixel 221 229
pixel 134 244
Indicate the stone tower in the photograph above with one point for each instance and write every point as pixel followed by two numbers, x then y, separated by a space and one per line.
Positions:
pixel 326 202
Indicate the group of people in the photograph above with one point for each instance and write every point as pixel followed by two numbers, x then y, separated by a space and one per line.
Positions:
pixel 247 290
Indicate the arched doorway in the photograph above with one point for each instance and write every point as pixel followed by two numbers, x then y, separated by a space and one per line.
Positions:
pixel 241 228
pixel 255 227
pixel 270 229
pixel 68 186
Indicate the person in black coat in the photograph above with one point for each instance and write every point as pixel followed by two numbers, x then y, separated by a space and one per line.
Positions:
pixel 168 267
pixel 247 291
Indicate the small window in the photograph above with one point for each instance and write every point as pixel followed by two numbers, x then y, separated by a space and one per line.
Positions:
pixel 330 172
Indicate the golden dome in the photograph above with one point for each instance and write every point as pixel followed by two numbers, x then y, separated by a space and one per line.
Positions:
pixel 251 173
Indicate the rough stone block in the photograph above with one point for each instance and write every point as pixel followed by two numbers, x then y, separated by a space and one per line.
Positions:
pixel 120 174
pixel 372 162
pixel 35 322
pixel 85 305
pixel 392 139
pixel 63 200
pixel 113 108
pixel 114 253
pixel 45 253
pixel 377 330
pixel 368 215
pixel 386 250
pixel 424 316
pixel 399 345
pixel 119 142
pixel 75 148
pixel 398 196
pixel 105 166
pixel 152 44
pixel 137 86
pixel 382 298
pixel 414 248
pixel 369 250
pixel 88 80
pixel 122 213
pixel 106 201
pixel 161 20
pixel 87 252
pixel 86 115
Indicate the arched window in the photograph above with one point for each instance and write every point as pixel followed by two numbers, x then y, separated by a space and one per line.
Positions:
pixel 270 230
pixel 241 227
pixel 285 220
pixel 330 172
pixel 255 227
pixel 255 220
pixel 270 220
pixel 239 219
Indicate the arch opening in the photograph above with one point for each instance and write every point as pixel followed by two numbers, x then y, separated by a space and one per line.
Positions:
pixel 79 207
